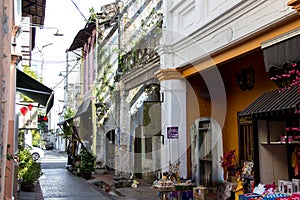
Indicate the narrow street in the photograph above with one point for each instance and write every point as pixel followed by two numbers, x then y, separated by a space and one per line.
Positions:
pixel 57 183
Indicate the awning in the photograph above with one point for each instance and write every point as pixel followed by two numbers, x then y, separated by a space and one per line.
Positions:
pixel 83 108
pixel 281 49
pixel 274 101
pixel 34 90
pixel 82 37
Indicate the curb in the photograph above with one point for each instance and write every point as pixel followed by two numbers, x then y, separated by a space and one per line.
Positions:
pixel 38 191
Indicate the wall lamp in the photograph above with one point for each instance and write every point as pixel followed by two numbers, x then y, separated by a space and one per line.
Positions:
pixel 42 27
pixel 246 79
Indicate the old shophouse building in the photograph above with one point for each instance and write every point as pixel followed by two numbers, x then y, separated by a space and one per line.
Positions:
pixel 181 91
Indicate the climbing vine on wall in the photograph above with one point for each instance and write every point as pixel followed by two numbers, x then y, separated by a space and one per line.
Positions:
pixel 105 83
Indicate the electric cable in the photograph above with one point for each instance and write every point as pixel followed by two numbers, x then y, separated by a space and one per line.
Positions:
pixel 79 10
pixel 66 74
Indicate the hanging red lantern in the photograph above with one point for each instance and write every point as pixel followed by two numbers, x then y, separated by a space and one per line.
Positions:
pixel 30 106
pixel 24 110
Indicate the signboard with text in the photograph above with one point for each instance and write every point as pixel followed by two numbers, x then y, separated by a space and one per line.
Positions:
pixel 172 132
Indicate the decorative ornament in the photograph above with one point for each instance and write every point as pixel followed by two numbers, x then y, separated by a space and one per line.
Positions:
pixel 30 106
pixel 24 110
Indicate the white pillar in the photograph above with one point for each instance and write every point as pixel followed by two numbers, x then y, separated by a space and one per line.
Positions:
pixel 174 115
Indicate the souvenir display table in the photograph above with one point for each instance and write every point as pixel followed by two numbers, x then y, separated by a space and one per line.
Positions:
pixel 169 190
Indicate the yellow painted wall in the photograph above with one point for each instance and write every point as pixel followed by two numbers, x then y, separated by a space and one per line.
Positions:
pixel 237 100
pixel 231 61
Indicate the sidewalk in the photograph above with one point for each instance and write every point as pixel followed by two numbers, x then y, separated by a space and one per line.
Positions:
pixel 106 182
pixel 35 195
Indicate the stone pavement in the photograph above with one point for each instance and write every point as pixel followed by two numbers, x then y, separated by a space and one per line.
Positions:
pixel 106 181
pixel 101 182
pixel 34 195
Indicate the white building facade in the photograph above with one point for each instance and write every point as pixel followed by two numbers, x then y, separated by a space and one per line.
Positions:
pixel 195 34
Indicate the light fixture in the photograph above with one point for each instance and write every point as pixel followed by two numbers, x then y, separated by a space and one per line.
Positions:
pixel 58 34
pixel 44 27
pixel 119 4
pixel 246 80
pixel 60 74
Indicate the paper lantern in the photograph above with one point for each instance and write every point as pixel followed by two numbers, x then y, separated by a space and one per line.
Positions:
pixel 24 110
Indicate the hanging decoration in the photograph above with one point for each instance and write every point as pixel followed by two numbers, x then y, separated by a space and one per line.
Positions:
pixel 30 106
pixel 24 110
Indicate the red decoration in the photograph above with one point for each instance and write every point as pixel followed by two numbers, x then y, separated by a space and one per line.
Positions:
pixel 24 110
pixel 45 119
pixel 30 106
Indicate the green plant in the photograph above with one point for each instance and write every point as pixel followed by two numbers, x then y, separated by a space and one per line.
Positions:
pixel 29 170
pixel 68 126
pixel 87 161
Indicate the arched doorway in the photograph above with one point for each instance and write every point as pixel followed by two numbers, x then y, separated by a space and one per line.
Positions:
pixel 110 149
pixel 206 151
pixel 146 124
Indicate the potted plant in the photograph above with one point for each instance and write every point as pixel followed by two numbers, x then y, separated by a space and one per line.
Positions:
pixel 87 163
pixel 29 170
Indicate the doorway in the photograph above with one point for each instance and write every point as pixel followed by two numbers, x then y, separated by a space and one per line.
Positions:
pixel 138 153
pixel 110 149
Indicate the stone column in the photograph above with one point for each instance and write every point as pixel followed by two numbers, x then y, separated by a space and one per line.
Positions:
pixel 125 139
pixel 173 91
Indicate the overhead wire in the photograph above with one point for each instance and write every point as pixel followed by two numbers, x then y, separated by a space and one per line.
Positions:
pixel 66 74
pixel 79 10
pixel 54 61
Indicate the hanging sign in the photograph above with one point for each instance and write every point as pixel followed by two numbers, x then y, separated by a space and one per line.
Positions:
pixel 172 132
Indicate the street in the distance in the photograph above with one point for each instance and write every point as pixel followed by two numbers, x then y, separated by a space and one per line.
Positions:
pixel 57 183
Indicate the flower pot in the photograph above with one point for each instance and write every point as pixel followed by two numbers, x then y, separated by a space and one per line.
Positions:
pixel 27 187
pixel 86 175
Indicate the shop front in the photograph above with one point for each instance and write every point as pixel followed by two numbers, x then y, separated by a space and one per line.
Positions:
pixel 273 117
pixel 261 120
pixel 273 120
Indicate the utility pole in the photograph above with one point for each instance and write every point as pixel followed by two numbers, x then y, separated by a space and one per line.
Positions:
pixel 66 80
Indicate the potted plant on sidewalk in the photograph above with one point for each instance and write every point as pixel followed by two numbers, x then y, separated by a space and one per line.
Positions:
pixel 29 170
pixel 87 163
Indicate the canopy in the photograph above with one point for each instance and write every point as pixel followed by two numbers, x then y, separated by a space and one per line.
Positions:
pixel 82 37
pixel 84 107
pixel 281 49
pixel 34 90
pixel 274 101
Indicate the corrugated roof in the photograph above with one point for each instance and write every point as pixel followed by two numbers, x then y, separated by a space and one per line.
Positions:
pixel 273 101
pixel 82 37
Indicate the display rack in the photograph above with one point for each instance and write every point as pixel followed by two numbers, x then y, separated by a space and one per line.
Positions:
pixel 205 152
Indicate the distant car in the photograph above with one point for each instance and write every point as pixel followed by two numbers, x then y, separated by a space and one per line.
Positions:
pixel 36 152
pixel 49 146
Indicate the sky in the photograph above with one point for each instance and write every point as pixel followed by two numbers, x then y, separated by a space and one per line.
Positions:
pixel 51 59
pixel 61 14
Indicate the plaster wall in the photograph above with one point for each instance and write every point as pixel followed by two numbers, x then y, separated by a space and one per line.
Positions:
pixel 198 29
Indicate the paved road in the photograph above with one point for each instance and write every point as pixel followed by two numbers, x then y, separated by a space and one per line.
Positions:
pixel 57 183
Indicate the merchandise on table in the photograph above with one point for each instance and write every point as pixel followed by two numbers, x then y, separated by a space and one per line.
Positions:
pixel 205 193
pixel 249 196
